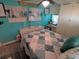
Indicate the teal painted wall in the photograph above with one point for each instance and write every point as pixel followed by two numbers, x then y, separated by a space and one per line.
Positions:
pixel 8 31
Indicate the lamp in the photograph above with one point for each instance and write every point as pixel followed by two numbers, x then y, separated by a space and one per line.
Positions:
pixel 45 3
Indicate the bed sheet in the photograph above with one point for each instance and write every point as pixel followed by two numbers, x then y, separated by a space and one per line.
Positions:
pixel 44 44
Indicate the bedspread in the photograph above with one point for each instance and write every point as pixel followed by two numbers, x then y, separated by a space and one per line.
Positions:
pixel 43 44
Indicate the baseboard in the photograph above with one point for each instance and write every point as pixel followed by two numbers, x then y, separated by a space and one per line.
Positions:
pixel 11 42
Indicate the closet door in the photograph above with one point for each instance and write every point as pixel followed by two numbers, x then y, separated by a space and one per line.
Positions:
pixel 74 22
pixel 64 19
pixel 69 20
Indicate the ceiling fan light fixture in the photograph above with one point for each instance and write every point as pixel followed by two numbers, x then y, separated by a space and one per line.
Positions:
pixel 45 3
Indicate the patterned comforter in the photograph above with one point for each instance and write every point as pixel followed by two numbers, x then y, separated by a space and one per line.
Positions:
pixel 42 44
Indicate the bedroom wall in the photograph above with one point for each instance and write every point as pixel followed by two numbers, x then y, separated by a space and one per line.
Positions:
pixel 69 20
pixel 8 31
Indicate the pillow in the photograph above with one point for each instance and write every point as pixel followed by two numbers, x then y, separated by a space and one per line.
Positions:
pixel 72 42
pixel 25 30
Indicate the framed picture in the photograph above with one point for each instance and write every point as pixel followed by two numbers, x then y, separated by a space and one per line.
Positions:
pixel 2 10
pixel 17 14
pixel 47 10
pixel 34 14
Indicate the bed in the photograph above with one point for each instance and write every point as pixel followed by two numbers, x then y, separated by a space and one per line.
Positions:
pixel 42 44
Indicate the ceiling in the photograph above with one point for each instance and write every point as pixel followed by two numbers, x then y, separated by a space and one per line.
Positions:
pixel 57 1
pixel 65 1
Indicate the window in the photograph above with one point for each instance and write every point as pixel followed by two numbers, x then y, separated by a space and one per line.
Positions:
pixel 54 19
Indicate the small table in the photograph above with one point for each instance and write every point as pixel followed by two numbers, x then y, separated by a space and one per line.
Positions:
pixel 51 27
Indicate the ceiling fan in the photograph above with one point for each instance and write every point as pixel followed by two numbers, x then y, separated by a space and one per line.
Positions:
pixel 25 2
pixel 46 1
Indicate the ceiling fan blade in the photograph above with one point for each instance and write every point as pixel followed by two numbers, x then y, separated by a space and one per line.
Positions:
pixel 39 3
pixel 53 2
pixel 25 3
pixel 50 1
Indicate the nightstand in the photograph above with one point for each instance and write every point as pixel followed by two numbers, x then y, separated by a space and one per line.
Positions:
pixel 51 27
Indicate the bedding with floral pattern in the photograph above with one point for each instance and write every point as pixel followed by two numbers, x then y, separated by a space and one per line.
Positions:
pixel 43 44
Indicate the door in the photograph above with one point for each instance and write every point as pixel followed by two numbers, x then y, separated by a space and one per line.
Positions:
pixel 64 19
